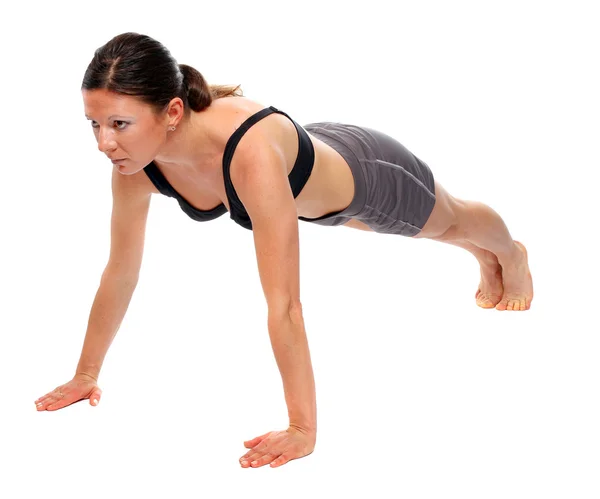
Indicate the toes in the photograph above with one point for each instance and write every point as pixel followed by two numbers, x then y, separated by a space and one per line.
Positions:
pixel 488 300
pixel 517 305
pixel 514 304
pixel 484 302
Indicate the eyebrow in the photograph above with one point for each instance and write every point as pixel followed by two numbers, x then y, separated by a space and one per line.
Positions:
pixel 113 116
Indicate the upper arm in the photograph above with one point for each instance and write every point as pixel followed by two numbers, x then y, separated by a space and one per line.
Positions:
pixel 261 182
pixel 131 204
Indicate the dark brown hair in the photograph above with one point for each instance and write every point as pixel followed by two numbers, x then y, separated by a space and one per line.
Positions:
pixel 137 65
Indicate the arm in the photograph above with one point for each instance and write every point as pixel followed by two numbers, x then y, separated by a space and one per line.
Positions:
pixel 109 307
pixel 261 182
pixel 131 203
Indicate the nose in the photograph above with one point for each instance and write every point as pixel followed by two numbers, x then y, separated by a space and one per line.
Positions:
pixel 106 140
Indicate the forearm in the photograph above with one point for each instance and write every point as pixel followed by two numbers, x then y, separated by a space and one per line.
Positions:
pixel 108 310
pixel 290 346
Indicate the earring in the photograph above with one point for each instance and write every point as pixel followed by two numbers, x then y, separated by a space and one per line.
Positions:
pixel 172 128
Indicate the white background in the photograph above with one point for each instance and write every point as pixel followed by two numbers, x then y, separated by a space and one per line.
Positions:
pixel 420 393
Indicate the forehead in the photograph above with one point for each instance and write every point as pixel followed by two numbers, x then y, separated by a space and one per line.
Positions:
pixel 101 102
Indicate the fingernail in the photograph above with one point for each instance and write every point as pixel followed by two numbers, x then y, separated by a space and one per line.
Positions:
pixel 254 462
pixel 244 463
pixel 95 402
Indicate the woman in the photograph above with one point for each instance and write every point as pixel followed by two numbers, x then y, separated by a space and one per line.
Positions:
pixel 166 131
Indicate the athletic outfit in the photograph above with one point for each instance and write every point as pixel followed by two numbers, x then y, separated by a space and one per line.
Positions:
pixel 394 190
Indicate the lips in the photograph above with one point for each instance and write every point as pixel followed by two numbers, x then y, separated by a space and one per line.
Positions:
pixel 118 160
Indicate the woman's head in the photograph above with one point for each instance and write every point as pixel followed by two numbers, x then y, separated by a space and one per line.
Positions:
pixel 134 82
pixel 139 66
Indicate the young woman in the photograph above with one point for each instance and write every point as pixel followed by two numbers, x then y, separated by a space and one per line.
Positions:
pixel 215 151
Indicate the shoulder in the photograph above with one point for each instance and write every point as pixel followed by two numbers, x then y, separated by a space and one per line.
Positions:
pixel 230 113
pixel 265 141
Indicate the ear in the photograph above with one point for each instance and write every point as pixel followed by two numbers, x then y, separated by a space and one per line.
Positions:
pixel 175 111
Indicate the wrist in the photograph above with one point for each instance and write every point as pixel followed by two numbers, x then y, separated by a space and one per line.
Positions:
pixel 88 367
pixel 87 374
pixel 304 427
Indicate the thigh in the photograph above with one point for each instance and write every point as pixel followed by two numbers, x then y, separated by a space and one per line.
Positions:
pixel 444 217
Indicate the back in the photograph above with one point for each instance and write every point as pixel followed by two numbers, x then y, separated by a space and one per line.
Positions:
pixel 131 204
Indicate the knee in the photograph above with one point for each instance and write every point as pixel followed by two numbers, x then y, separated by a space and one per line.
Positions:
pixel 457 229
pixel 452 233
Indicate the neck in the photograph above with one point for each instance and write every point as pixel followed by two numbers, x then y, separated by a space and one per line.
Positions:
pixel 190 145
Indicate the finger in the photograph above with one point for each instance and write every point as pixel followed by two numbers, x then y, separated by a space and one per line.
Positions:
pixel 46 397
pixel 57 404
pixel 42 400
pixel 263 447
pixel 48 400
pixel 63 400
pixel 40 406
pixel 279 461
pixel 261 461
pixel 255 441
pixel 95 397
pixel 249 457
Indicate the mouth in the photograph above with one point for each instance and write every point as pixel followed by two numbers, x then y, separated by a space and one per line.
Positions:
pixel 115 161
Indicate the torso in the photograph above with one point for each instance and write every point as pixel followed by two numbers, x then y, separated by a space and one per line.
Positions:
pixel 330 187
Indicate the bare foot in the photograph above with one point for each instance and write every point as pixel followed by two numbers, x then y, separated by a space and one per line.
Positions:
pixel 518 285
pixel 490 289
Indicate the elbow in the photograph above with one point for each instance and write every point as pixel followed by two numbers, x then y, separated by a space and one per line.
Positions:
pixel 295 312
pixel 123 278
pixel 285 310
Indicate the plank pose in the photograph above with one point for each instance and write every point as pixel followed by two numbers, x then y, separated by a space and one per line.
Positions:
pixel 215 151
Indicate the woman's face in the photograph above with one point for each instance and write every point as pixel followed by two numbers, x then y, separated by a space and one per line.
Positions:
pixel 125 128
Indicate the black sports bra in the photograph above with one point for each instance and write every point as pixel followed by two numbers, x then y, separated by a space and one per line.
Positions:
pixel 297 177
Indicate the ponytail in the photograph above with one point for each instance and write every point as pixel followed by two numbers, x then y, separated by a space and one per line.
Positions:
pixel 199 93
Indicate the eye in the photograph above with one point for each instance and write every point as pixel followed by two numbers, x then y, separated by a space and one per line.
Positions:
pixel 118 122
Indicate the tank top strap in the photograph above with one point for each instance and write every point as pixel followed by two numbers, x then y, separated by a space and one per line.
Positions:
pixel 236 208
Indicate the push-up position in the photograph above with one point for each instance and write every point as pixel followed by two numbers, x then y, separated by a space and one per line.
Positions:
pixel 167 131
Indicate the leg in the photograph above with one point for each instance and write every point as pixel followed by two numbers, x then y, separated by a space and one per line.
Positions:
pixel 491 289
pixel 457 222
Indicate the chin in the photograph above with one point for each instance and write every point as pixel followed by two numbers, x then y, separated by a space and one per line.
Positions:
pixel 123 170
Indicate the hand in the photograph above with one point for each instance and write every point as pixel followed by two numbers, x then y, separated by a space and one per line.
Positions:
pixel 278 447
pixel 82 386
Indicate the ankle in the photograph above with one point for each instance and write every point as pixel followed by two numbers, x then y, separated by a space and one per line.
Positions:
pixel 511 257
